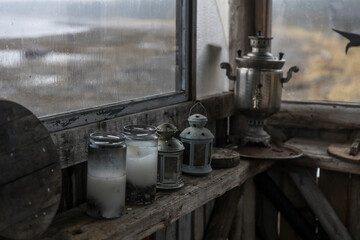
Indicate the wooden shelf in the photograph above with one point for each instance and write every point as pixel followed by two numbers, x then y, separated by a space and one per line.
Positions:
pixel 316 155
pixel 139 222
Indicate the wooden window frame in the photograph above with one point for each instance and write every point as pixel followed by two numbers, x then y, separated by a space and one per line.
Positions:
pixel 185 81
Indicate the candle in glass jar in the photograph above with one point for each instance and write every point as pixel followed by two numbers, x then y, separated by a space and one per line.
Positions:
pixel 141 164
pixel 106 196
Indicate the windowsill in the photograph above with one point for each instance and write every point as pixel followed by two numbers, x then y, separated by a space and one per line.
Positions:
pixel 140 222
pixel 316 156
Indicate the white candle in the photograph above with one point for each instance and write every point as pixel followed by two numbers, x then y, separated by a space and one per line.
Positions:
pixel 108 194
pixel 141 165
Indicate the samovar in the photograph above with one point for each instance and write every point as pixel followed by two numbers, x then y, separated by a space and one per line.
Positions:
pixel 258 87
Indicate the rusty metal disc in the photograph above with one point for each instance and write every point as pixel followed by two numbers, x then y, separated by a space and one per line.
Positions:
pixel 30 179
pixel 224 158
pixel 276 151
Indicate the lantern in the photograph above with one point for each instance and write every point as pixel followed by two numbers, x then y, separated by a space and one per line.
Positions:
pixel 198 142
pixel 170 158
pixel 106 175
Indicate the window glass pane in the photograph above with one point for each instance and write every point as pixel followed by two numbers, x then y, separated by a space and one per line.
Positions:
pixel 303 31
pixel 60 55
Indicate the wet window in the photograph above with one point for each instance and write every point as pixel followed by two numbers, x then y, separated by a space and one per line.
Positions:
pixel 61 55
pixel 303 31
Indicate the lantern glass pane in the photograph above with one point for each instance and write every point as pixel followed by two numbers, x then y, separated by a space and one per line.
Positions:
pixel 209 154
pixel 159 167
pixel 199 154
pixel 170 173
pixel 186 159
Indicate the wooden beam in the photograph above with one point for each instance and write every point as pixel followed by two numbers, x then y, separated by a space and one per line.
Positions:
pixel 330 222
pixel 315 155
pixel 243 227
pixel 140 222
pixel 266 186
pixel 72 144
pixel 317 115
pixel 223 215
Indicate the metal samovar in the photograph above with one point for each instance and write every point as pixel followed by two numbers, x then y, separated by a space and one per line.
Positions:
pixel 258 86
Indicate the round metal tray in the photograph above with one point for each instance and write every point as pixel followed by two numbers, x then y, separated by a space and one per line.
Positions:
pixel 274 152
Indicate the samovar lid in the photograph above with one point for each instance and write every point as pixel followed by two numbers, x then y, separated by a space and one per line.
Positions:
pixel 260 56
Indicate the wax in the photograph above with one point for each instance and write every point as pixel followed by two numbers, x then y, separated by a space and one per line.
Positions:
pixel 106 196
pixel 141 171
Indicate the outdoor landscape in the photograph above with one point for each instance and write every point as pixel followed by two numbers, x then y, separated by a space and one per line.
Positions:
pixel 78 54
pixel 303 31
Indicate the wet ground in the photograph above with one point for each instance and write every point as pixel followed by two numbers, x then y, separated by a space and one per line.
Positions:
pixel 89 66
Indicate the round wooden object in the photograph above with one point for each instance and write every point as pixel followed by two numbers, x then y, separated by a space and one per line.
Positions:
pixel 342 151
pixel 30 179
pixel 224 158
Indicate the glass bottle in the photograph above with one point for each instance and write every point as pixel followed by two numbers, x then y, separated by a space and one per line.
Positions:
pixel 106 176
pixel 142 155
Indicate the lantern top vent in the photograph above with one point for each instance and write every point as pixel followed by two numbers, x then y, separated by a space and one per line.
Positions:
pixel 167 143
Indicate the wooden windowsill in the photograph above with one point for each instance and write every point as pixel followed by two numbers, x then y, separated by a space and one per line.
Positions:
pixel 169 206
pixel 316 155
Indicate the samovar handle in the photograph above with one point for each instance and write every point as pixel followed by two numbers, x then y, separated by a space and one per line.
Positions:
pixel 294 69
pixel 227 66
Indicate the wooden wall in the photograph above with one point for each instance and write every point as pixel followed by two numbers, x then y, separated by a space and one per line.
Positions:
pixel 342 190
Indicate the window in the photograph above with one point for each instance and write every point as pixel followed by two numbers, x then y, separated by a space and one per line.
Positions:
pixel 303 31
pixel 65 55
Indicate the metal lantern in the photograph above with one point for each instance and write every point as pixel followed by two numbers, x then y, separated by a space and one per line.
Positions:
pixel 170 156
pixel 198 142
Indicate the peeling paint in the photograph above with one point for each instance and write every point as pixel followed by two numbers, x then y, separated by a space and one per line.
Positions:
pixel 110 112
pixel 65 123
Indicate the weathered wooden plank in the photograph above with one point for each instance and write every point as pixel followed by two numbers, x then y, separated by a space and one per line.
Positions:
pixel 354 207
pixel 143 221
pixel 184 227
pixel 316 156
pixel 170 232
pixel 72 144
pixel 221 131
pixel 267 214
pixel 30 174
pixel 79 180
pixel 243 226
pixel 293 194
pixel 29 204
pixel 197 223
pixel 335 187
pixel 223 215
pixel 66 201
pixel 319 204
pixel 160 234
pixel 317 115
pixel 208 209
pixel 263 9
pixel 267 186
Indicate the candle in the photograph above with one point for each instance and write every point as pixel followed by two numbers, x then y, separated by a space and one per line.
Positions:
pixel 106 196
pixel 141 164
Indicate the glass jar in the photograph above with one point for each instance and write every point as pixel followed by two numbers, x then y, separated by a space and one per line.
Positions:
pixel 142 155
pixel 106 178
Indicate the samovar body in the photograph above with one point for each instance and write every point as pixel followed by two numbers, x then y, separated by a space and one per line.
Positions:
pixel 258 86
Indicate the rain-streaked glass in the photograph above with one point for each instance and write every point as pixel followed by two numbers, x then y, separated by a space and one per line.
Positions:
pixel 303 31
pixel 61 55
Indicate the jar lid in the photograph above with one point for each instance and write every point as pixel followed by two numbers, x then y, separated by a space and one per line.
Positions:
pixel 107 139
pixel 139 129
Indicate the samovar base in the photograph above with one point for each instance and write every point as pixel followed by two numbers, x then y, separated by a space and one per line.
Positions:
pixel 255 133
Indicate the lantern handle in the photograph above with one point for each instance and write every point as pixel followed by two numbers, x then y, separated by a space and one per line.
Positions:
pixel 198 103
